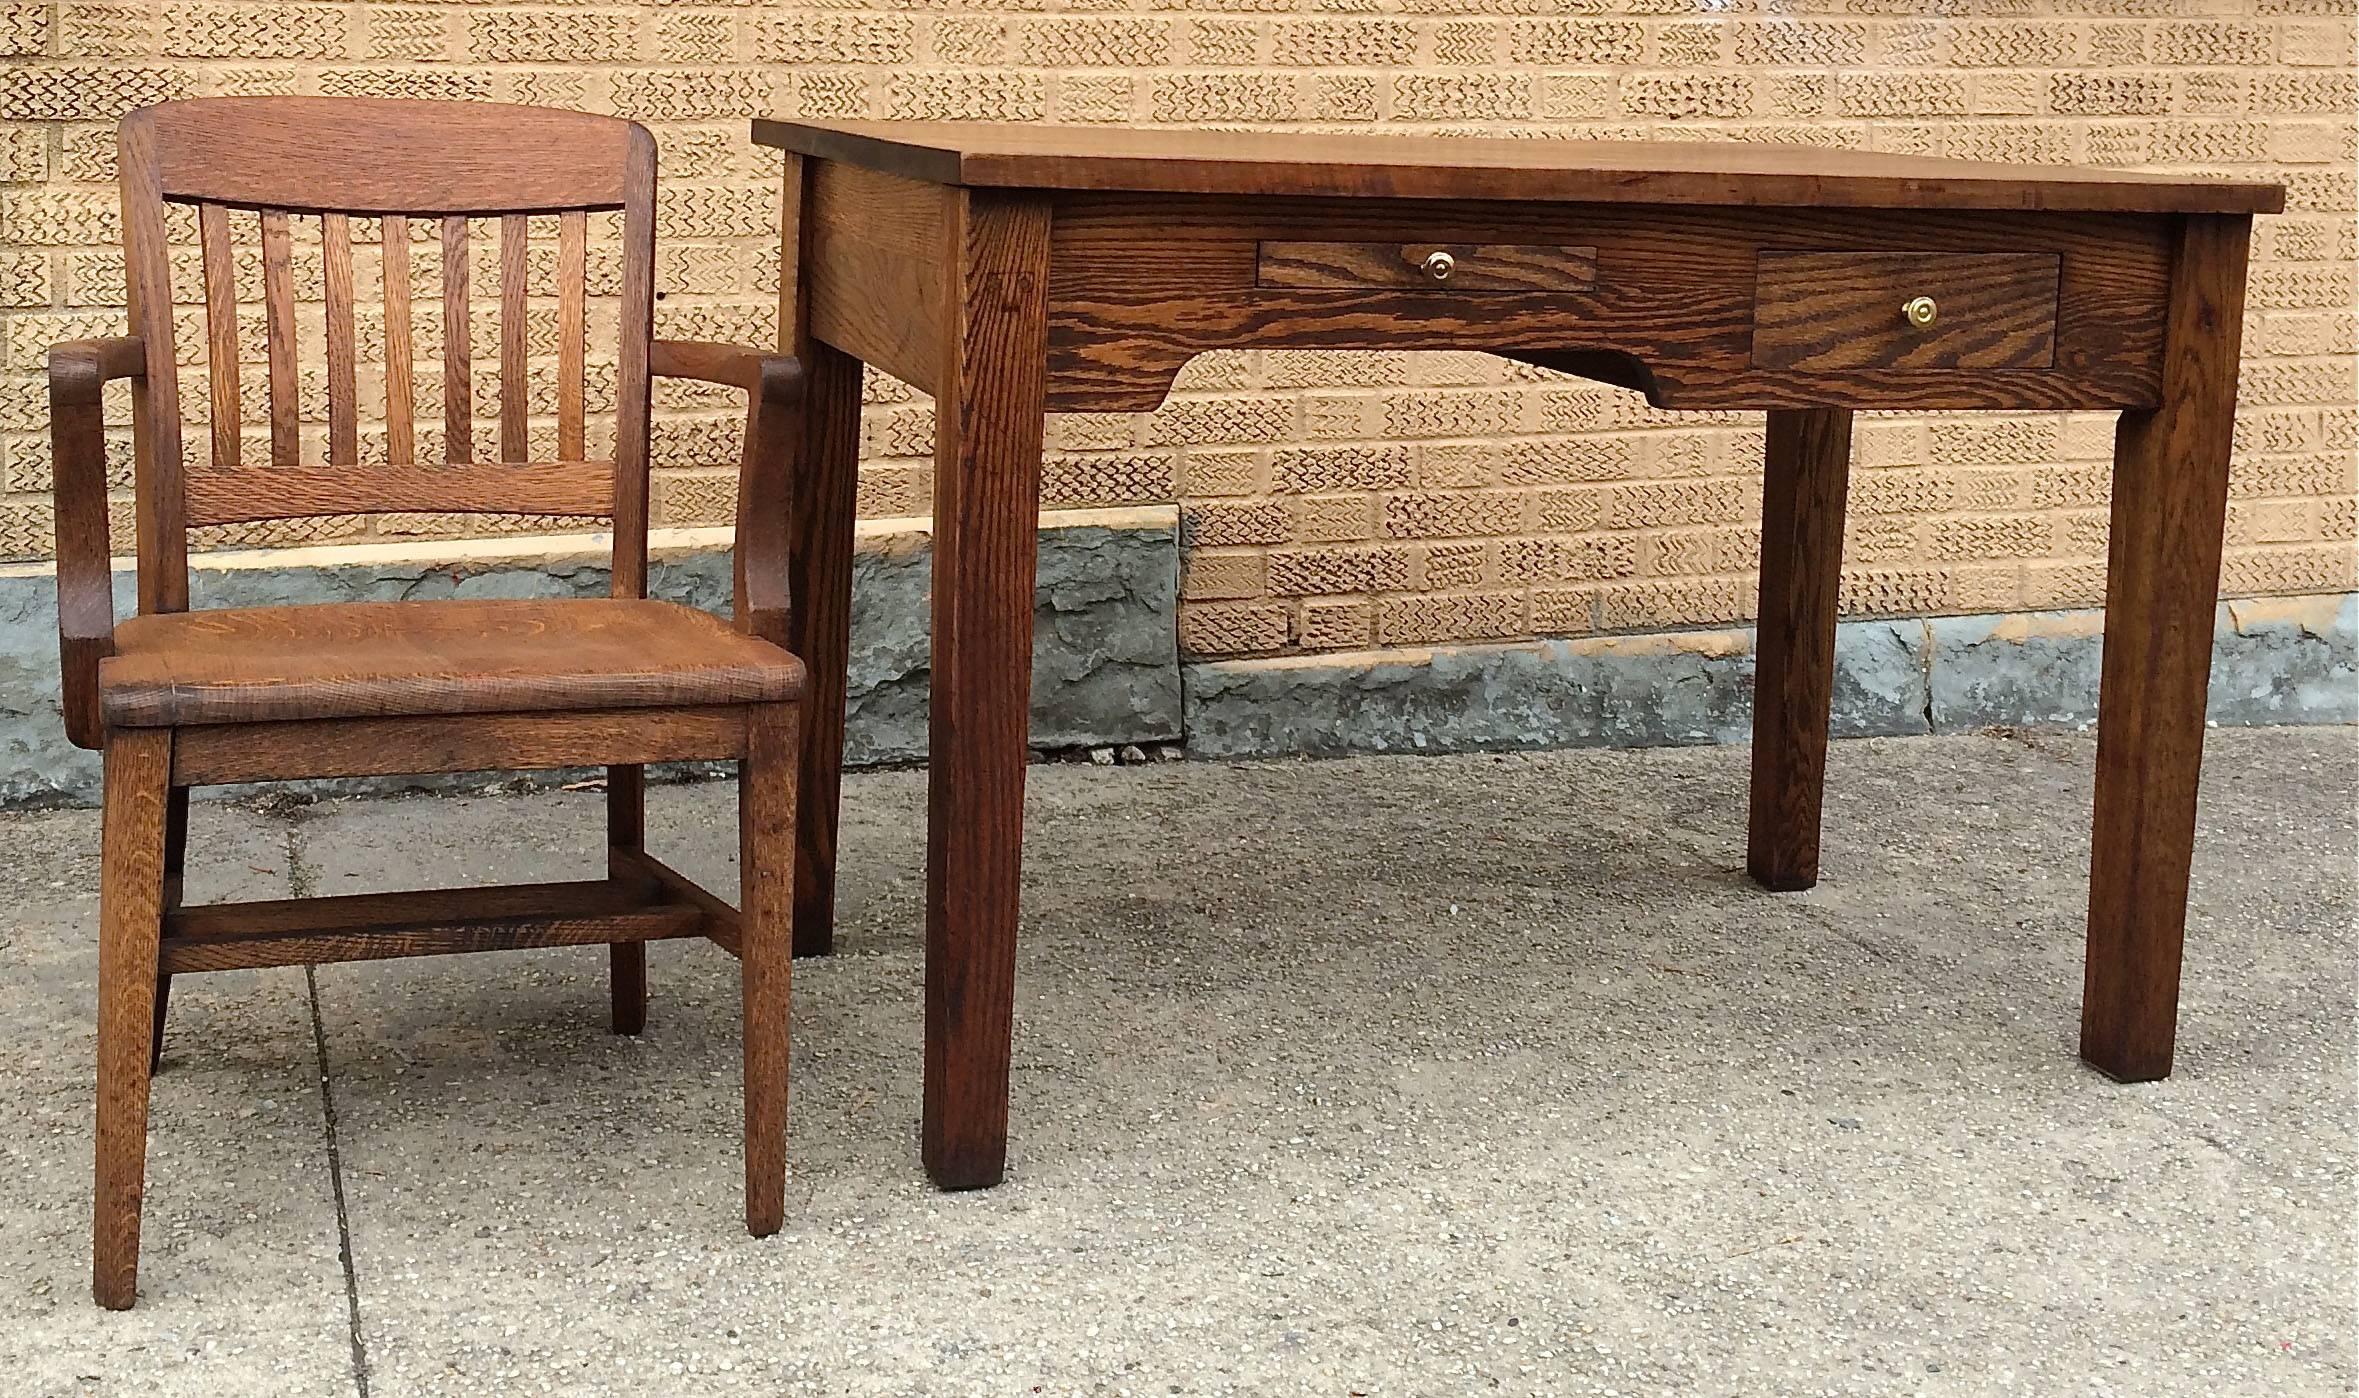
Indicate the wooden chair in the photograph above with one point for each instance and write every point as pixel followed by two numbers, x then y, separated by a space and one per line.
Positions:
pixel 176 698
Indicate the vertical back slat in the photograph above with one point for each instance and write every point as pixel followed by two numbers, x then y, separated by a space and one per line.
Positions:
pixel 633 349
pixel 400 402
pixel 458 393
pixel 221 333
pixel 573 289
pixel 278 323
pixel 513 389
pixel 335 232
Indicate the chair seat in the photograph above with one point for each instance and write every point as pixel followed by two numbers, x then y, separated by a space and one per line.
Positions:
pixel 394 659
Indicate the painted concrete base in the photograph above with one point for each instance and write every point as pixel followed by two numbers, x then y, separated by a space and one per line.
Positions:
pixel 1105 654
pixel 2276 660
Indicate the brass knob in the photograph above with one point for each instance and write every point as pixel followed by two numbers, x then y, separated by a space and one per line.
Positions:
pixel 1919 311
pixel 1439 265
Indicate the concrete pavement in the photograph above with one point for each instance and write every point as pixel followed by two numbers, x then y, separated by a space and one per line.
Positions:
pixel 1390 1076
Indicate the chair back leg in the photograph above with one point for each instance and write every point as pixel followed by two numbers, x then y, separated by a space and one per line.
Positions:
pixel 131 918
pixel 626 829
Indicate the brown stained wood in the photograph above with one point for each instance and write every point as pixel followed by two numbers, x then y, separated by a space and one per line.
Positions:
pixel 2170 494
pixel 1142 283
pixel 582 489
pixel 515 392
pixel 572 297
pixel 765 956
pixel 821 505
pixel 155 412
pixel 130 925
pixel 1850 310
pixel 343 375
pixel 221 334
pixel 357 913
pixel 626 962
pixel 721 920
pixel 1808 457
pixel 634 926
pixel 637 315
pixel 79 371
pixel 989 419
pixel 1041 157
pixel 371 155
pixel 278 323
pixel 401 410
pixel 214 755
pixel 458 365
pixel 877 282
pixel 381 659
pixel 1427 266
pixel 228 696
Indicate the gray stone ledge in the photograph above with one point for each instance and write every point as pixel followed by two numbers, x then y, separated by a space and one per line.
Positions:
pixel 2275 660
pixel 1105 652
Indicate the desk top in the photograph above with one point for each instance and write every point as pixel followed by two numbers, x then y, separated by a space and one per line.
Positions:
pixel 1450 167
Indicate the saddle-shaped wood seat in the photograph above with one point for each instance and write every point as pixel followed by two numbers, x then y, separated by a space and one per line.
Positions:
pixel 387 659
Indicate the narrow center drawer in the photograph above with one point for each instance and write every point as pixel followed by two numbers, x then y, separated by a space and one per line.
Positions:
pixel 1428 266
pixel 1905 310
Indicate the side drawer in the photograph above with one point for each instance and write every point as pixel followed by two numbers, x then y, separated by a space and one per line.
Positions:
pixel 1427 266
pixel 1905 310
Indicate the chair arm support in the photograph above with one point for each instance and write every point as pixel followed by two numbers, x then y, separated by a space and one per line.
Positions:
pixel 79 371
pixel 773 384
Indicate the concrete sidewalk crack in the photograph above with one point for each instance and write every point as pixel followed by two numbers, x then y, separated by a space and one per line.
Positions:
pixel 301 882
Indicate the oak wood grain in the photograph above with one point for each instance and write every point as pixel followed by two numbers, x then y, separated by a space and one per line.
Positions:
pixel 2170 500
pixel 1656 173
pixel 79 371
pixel 219 754
pixel 821 506
pixel 573 231
pixel 401 411
pixel 278 324
pixel 1410 266
pixel 375 659
pixel 515 392
pixel 343 370
pixel 458 363
pixel 989 419
pixel 877 283
pixel 221 334
pixel 1808 466
pixel 1847 310
pixel 130 919
pixel 423 938
pixel 765 900
pixel 582 489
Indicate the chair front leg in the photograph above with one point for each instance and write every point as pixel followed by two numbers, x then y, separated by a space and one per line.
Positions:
pixel 765 901
pixel 131 918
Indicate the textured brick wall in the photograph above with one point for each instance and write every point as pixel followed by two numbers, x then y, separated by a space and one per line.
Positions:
pixel 1332 500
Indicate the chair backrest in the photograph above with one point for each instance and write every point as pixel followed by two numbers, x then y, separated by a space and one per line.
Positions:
pixel 422 170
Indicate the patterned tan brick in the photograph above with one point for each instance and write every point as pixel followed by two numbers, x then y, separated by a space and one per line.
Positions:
pixel 1472 616
pixel 1435 515
pixel 1509 497
pixel 1328 571
pixel 1337 625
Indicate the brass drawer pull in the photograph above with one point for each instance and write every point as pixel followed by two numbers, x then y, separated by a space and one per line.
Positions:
pixel 1920 311
pixel 1439 265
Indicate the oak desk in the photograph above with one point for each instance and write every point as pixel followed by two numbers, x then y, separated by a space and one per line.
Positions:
pixel 1011 271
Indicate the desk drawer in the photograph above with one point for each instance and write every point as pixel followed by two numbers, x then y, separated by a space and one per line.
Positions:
pixel 1905 310
pixel 1427 266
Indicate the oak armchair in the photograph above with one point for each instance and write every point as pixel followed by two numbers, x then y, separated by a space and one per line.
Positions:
pixel 176 698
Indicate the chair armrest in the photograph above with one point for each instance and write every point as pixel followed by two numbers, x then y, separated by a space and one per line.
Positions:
pixel 79 371
pixel 773 383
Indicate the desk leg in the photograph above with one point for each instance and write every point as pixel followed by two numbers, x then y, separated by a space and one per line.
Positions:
pixel 1809 468
pixel 987 442
pixel 2170 501
pixel 820 512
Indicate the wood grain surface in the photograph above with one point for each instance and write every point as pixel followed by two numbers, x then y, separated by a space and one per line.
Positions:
pixel 1847 310
pixel 1032 156
pixel 1407 266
